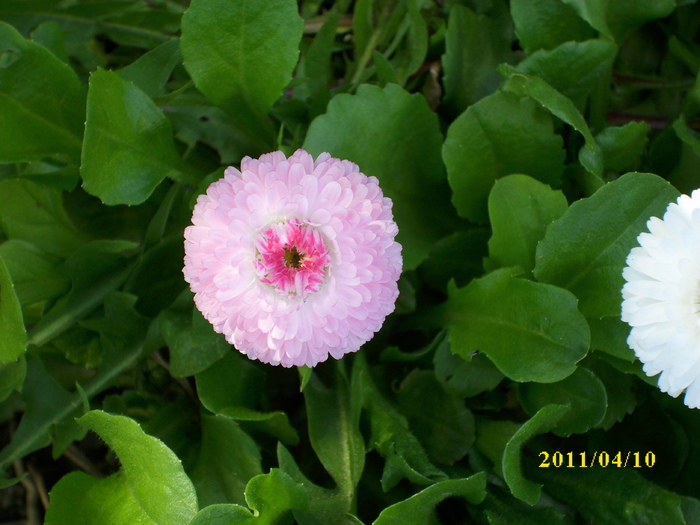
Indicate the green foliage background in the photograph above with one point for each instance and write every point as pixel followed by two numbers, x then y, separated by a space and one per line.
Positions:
pixel 524 143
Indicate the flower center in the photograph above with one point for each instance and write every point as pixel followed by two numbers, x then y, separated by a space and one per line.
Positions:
pixel 292 258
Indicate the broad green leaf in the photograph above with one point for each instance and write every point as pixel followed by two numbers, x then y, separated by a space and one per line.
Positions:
pixel 42 102
pixel 474 46
pixel 499 135
pixel 531 331
pixel 241 56
pixel 151 487
pixel 271 495
pixel 228 458
pixel 492 436
pixel 465 378
pixel 234 387
pixel 585 250
pixel 622 147
pixel 14 336
pixel 619 389
pixel 573 68
pixel 402 149
pixel 33 272
pixel 420 508
pixel 582 390
pixel 502 509
pixel 609 334
pixel 157 276
pixel 12 377
pixel 543 421
pixel 333 419
pixel 520 209
pixel 49 35
pixel 222 513
pixel 457 256
pixel 48 404
pixel 324 505
pixel 560 106
pixel 403 454
pixel 612 495
pixel 151 71
pixel 128 148
pixel 96 269
pixel 618 18
pixel 34 213
pixel 545 24
pixel 194 346
pixel 438 418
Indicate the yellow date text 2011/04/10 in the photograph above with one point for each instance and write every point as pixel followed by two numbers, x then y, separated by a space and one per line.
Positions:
pixel 603 459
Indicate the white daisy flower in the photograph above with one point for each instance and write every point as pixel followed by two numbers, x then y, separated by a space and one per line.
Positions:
pixel 661 299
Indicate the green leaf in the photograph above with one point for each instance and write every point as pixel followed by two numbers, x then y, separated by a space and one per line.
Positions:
pixel 621 147
pixel 474 46
pixel 222 513
pixel 560 106
pixel 128 148
pixel 241 56
pixel 228 459
pixel 420 508
pixel 612 495
pixel 151 487
pixel 582 390
pixel 49 35
pixel 315 64
pixel 531 331
pixel 157 276
pixel 545 24
pixel 12 377
pixel 271 495
pixel 619 388
pixel 151 71
pixel 573 68
pixel 403 454
pixel 609 334
pixel 324 505
pixel 14 336
pixel 41 101
pixel 33 272
pixel 457 256
pixel 234 387
pixel 465 378
pixel 501 508
pixel 439 419
pixel 520 209
pixel 618 18
pixel 333 416
pixel 194 345
pixel 46 404
pixel 409 58
pixel 543 421
pixel 402 149
pixel 96 269
pixel 34 213
pixel 499 135
pixel 590 265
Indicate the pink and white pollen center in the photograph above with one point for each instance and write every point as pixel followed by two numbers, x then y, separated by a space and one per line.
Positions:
pixel 292 258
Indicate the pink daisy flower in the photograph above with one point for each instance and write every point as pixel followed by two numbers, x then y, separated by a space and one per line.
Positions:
pixel 294 259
